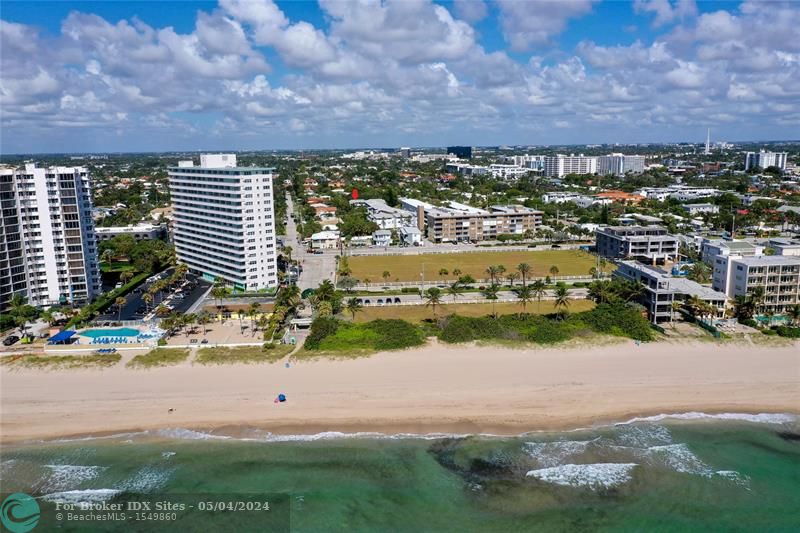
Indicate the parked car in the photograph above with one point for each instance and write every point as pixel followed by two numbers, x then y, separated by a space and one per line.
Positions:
pixel 10 340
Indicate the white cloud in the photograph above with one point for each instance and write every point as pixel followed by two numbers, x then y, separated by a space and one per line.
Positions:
pixel 533 23
pixel 667 11
pixel 471 10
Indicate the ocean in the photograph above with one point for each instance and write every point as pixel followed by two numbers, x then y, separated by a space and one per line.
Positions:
pixel 689 472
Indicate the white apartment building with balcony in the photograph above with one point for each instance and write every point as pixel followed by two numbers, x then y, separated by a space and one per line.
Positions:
pixel 225 221
pixel 778 275
pixel 620 164
pixel 764 159
pixel 560 165
pixel 49 248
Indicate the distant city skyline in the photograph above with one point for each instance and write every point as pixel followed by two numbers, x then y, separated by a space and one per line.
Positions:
pixel 84 77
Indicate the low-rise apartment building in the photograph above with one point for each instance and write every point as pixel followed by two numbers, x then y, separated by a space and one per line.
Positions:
pixel 661 290
pixel 385 216
pixel 652 243
pixel 778 275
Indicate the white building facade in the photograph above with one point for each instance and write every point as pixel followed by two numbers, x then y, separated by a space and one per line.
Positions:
pixel 620 164
pixel 54 261
pixel 225 221
pixel 764 159
pixel 560 165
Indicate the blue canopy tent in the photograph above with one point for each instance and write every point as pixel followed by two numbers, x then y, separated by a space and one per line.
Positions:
pixel 62 337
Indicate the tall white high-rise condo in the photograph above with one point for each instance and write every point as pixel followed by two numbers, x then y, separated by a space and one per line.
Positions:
pixel 225 221
pixel 49 251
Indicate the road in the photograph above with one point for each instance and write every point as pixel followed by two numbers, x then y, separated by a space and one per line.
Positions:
pixel 316 267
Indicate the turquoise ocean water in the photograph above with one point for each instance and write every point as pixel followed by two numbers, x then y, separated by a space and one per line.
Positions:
pixel 686 473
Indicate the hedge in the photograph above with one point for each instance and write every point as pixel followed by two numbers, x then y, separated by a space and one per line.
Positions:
pixel 105 300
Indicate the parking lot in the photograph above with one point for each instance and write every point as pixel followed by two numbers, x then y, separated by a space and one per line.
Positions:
pixel 181 300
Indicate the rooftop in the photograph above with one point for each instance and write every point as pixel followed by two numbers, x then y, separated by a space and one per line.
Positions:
pixel 769 260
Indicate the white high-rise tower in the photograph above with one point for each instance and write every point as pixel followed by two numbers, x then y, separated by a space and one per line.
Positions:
pixel 225 221
pixel 708 142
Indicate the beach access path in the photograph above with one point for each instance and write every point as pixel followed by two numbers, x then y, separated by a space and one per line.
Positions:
pixel 437 388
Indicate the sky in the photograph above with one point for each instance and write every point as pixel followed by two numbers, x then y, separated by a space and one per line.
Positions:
pixel 118 76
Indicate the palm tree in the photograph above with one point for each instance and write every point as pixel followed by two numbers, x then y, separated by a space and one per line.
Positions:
pixel 500 271
pixel 287 251
pixel 525 295
pixel 456 272
pixel 443 272
pixel 386 275
pixel 699 273
pixel 600 291
pixel 593 272
pixel 162 310
pixel 492 272
pixel 353 306
pixel 202 319
pixel 554 271
pixel 758 295
pixel 524 270
pixel 562 299
pixel 148 299
pixel 120 303
pixel 188 320
pixel 253 311
pixel 794 314
pixel 539 289
pixel 325 291
pixel 433 297
pixel 490 293
pixel 455 290
pixel 603 264
pixel 511 277
pixel 219 293
pixel 107 256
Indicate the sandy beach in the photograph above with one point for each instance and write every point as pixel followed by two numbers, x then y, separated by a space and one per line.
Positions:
pixel 433 389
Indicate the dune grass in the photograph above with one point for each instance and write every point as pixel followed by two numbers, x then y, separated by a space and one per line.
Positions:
pixel 159 357
pixel 61 362
pixel 242 355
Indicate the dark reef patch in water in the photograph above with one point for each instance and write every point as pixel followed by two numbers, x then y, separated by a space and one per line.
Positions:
pixel 788 435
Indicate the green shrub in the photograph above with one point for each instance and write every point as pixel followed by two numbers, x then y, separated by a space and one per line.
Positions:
pixel 331 335
pixel 321 328
pixel 769 332
pixel 787 331
pixel 464 329
pixel 748 322
pixel 618 319
pixel 409 290
pixel 395 334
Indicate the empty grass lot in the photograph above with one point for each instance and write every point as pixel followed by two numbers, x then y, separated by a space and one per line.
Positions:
pixel 417 313
pixel 409 267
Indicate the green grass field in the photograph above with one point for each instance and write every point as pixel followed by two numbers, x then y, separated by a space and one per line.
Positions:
pixel 417 313
pixel 409 267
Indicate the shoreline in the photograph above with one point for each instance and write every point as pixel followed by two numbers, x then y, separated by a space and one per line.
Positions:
pixel 435 389
pixel 321 430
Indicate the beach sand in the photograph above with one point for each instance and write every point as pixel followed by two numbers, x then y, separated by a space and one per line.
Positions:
pixel 435 389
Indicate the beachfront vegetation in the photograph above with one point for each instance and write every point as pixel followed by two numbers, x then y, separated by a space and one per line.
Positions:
pixel 336 336
pixel 419 313
pixel 269 353
pixel 159 357
pixel 611 319
pixel 473 264
pixel 60 362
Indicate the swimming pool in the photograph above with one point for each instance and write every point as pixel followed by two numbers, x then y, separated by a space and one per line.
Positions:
pixel 119 332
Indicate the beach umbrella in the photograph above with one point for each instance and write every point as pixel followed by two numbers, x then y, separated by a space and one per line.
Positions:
pixel 281 397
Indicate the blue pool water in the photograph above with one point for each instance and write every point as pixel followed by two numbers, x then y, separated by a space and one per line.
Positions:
pixel 119 332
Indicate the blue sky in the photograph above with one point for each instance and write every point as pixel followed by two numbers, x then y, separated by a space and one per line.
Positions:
pixel 258 74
